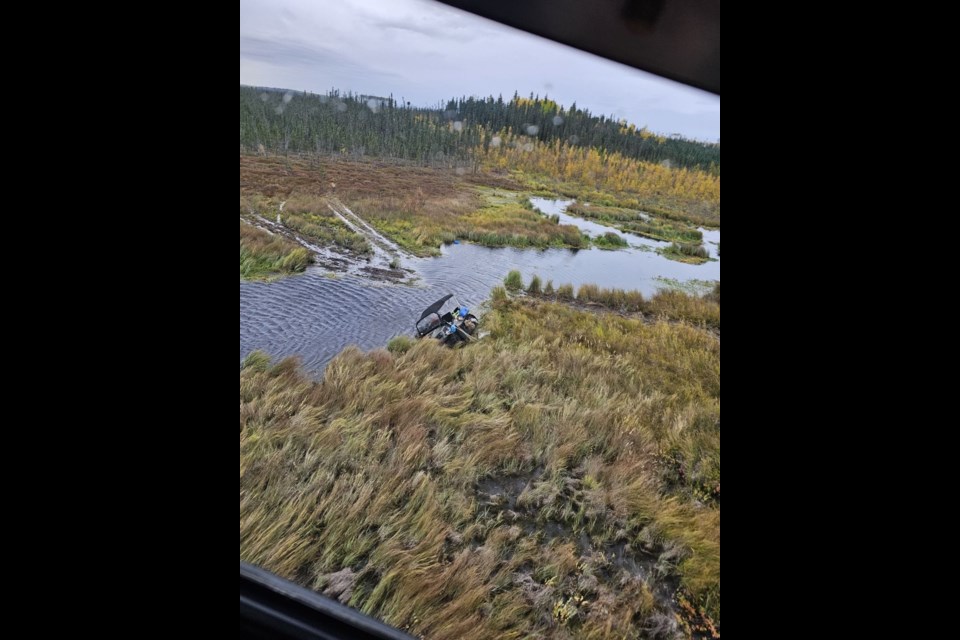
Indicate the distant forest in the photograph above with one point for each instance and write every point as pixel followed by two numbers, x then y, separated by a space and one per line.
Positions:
pixel 286 121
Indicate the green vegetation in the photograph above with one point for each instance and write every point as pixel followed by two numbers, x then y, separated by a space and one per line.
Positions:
pixel 307 216
pixel 264 256
pixel 290 121
pixel 312 218
pixel 689 253
pixel 638 222
pixel 517 225
pixel 513 282
pixel 610 240
pixel 399 345
pixel 505 490
pixel 532 145
pixel 534 288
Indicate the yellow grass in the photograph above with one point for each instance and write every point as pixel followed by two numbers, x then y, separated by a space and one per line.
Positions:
pixel 537 483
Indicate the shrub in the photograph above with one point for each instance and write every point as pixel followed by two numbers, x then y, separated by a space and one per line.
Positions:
pixel 399 345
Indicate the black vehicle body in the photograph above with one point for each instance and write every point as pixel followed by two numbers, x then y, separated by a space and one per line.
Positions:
pixel 447 320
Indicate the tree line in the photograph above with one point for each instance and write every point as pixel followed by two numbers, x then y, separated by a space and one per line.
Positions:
pixel 349 124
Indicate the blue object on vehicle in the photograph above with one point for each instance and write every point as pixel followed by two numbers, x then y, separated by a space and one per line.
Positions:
pixel 463 312
pixel 452 329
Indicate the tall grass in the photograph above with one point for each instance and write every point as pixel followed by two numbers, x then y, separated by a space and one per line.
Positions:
pixel 702 311
pixel 692 253
pixel 509 489
pixel 676 305
pixel 715 294
pixel 615 299
pixel 513 282
pixel 534 287
pixel 610 240
pixel 263 256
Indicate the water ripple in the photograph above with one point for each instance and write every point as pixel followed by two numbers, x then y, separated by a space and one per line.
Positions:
pixel 314 316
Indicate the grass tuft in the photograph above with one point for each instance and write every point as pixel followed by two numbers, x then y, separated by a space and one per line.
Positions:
pixel 513 282
pixel 610 240
pixel 689 253
pixel 534 288
pixel 399 345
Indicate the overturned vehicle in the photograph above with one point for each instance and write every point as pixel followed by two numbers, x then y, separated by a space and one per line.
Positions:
pixel 448 321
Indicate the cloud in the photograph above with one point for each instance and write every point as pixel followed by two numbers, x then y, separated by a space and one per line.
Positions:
pixel 287 52
pixel 427 52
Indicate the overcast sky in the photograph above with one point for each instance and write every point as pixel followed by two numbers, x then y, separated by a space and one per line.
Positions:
pixel 426 52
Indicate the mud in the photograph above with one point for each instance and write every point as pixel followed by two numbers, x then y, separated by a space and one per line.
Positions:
pixel 615 563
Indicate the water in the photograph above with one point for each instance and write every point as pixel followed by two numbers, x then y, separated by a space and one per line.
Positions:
pixel 315 316
pixel 559 207
pixel 711 238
